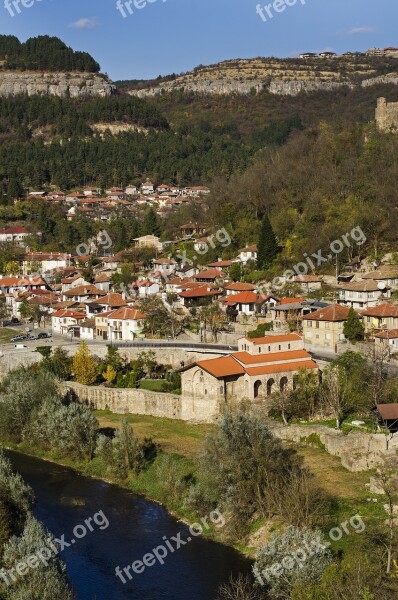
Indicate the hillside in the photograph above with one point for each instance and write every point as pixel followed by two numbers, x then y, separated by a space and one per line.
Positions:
pixel 285 77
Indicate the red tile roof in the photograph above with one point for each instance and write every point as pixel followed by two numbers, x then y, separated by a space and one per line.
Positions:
pixel 334 313
pixel 383 310
pixel 240 287
pixel 250 359
pixel 127 314
pixel 221 367
pixel 285 367
pixel 246 298
pixel 275 339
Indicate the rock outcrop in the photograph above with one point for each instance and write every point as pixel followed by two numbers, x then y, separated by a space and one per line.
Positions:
pixel 73 85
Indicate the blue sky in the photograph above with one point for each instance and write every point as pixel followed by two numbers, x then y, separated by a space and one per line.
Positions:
pixel 168 36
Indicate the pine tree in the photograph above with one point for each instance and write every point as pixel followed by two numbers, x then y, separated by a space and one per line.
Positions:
pixel 151 223
pixel 353 328
pixel 267 245
pixel 83 366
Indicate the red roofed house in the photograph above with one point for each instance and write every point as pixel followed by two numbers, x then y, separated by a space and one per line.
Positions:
pixel 199 296
pixel 210 275
pixel 249 373
pixel 125 324
pixel 324 327
pixel 381 317
pixel 247 303
pixel 64 320
pixel 17 235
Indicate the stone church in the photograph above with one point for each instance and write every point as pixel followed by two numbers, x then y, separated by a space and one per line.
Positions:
pixel 261 367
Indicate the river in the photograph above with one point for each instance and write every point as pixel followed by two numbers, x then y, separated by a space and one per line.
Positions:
pixel 136 526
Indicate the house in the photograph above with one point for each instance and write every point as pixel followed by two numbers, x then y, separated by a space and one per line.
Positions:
pixel 165 266
pixel 201 245
pixel 71 282
pixel 308 283
pixel 131 190
pixel 83 293
pixel 249 373
pixel 10 285
pixel 385 275
pixel 388 340
pixel 64 320
pixel 190 229
pixel 101 326
pixel 248 253
pixel 287 309
pixel 309 55
pixel 149 241
pixel 147 288
pixel 17 235
pixel 381 317
pixel 45 262
pixel 147 188
pixel 236 287
pixel 209 275
pixel 125 324
pixel 324 327
pixel 103 282
pixel 245 303
pixel 362 294
pixel 110 301
pixel 222 264
pixel 87 329
pixel 198 296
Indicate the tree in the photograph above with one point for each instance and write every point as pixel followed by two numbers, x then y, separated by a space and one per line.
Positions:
pixel 387 480
pixel 353 328
pixel 267 248
pixel 235 271
pixel 26 310
pixel 241 588
pixel 151 223
pixel 12 268
pixel 244 468
pixel 83 365
pixel 110 374
pixel 333 391
pixel 282 548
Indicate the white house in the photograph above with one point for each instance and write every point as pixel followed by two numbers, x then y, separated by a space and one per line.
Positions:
pixel 363 294
pixel 125 324
pixel 45 261
pixel 131 190
pixel 147 288
pixel 63 320
pixel 248 253
pixel 16 235
pixel 165 266
pixel 147 188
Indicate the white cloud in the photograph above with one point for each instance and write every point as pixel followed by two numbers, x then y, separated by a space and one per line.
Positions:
pixel 357 31
pixel 85 23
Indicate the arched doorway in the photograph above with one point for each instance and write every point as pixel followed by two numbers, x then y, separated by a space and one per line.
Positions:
pixel 270 383
pixel 257 389
pixel 283 384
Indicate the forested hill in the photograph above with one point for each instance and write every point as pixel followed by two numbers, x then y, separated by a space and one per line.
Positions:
pixel 43 53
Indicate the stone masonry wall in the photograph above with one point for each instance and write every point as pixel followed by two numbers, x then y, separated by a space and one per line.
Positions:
pixel 143 402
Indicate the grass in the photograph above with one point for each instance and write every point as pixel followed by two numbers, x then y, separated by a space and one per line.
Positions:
pixel 153 385
pixel 6 334
pixel 175 437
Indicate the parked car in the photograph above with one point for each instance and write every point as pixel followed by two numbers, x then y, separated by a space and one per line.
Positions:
pixel 43 335
pixel 32 338
pixel 17 338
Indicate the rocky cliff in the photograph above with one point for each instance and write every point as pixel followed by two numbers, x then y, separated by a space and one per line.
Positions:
pixel 74 85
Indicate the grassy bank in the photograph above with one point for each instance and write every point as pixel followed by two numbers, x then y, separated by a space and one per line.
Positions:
pixel 180 446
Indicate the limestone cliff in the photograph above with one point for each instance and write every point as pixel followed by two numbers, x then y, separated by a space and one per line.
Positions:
pixel 73 85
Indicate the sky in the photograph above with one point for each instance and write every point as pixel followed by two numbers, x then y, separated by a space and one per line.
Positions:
pixel 172 36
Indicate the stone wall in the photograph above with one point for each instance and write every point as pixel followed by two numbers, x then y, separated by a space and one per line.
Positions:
pixel 358 451
pixel 387 115
pixel 143 402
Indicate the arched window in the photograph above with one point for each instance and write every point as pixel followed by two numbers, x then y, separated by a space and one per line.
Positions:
pixel 270 384
pixel 283 384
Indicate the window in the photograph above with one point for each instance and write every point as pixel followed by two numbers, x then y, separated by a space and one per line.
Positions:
pixel 205 391
pixel 269 348
pixel 317 325
pixel 327 325
pixel 309 323
pixel 288 346
pixel 279 347
pixel 221 389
